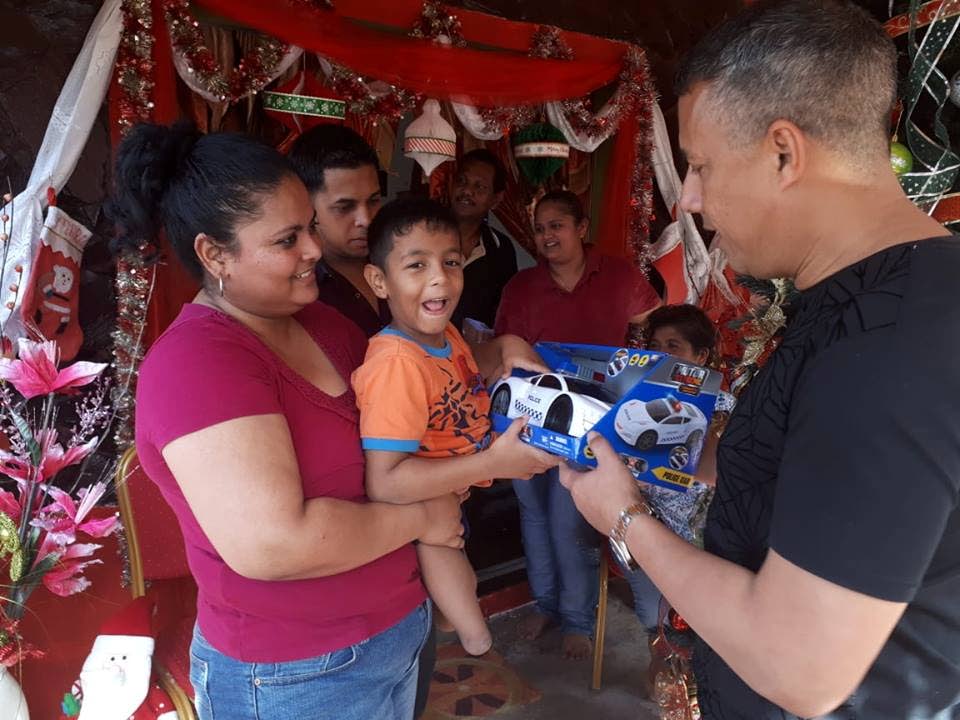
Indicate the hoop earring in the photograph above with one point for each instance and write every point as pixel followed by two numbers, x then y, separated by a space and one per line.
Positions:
pixel 220 279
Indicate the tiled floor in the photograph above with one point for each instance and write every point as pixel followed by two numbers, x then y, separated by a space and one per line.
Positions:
pixel 564 684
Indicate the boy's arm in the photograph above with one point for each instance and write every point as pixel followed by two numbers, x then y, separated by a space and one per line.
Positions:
pixel 399 477
pixel 497 358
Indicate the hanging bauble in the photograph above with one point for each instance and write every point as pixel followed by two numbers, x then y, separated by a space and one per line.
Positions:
pixel 429 139
pixel 540 150
pixel 901 160
pixel 303 102
pixel 955 89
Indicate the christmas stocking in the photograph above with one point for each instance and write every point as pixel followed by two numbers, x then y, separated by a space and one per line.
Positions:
pixel 52 294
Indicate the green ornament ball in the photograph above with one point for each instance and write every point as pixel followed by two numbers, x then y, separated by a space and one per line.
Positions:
pixel 901 160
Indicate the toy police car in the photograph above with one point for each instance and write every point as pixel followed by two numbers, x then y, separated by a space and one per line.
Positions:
pixel 664 421
pixel 560 403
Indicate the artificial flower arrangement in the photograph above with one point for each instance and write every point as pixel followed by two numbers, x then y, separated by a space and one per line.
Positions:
pixel 41 524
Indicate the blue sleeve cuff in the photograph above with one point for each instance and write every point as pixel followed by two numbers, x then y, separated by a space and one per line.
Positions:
pixel 408 446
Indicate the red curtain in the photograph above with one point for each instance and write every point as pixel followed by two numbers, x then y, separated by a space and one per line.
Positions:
pixel 615 212
pixel 486 78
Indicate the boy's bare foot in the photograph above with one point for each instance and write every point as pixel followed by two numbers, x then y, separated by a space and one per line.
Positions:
pixel 576 647
pixel 478 645
pixel 533 626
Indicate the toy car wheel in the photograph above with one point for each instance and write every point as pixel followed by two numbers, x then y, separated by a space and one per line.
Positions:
pixel 640 466
pixel 500 403
pixel 679 457
pixel 693 440
pixel 646 440
pixel 560 415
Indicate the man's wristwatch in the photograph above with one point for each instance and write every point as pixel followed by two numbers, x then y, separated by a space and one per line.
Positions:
pixel 618 536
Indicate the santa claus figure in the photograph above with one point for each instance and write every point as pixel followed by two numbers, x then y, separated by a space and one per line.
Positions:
pixel 116 682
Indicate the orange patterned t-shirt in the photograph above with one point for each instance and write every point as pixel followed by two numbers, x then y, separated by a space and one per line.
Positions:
pixel 421 400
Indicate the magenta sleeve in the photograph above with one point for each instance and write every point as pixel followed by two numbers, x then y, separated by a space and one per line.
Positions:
pixel 200 376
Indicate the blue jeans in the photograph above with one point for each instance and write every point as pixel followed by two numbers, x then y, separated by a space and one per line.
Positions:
pixel 562 550
pixel 376 678
pixel 646 597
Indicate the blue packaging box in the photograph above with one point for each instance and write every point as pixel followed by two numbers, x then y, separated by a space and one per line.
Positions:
pixel 653 408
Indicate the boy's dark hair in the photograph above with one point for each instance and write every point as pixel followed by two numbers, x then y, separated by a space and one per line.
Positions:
pixel 825 65
pixel 186 183
pixel 690 321
pixel 329 147
pixel 399 217
pixel 568 200
pixel 482 155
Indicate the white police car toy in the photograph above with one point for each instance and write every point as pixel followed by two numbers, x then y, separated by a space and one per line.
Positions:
pixel 560 403
pixel 664 421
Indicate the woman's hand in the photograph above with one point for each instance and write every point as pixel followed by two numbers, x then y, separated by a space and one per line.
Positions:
pixel 513 458
pixel 517 354
pixel 441 524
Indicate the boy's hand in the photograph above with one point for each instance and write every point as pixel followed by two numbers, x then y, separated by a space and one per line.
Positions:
pixel 513 458
pixel 441 525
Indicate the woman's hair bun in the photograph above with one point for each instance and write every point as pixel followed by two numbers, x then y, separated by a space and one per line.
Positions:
pixel 150 158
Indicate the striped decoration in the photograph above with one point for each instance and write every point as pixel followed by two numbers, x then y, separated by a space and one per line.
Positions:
pixel 541 150
pixel 436 146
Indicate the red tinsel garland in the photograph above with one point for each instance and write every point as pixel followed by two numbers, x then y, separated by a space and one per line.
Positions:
pixel 250 76
pixel 134 64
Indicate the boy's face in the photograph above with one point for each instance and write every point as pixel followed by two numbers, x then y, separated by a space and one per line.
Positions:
pixel 422 282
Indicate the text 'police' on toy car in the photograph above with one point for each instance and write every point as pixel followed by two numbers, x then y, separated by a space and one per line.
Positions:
pixel 561 403
pixel 665 421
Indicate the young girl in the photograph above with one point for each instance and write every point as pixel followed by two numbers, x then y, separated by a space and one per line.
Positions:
pixel 686 332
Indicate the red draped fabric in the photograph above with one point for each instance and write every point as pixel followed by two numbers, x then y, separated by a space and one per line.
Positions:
pixel 486 78
pixel 500 74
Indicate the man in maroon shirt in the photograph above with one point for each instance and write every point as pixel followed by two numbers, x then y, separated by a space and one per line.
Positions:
pixel 341 172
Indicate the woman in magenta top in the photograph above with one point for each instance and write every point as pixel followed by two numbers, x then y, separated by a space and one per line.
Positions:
pixel 574 295
pixel 310 602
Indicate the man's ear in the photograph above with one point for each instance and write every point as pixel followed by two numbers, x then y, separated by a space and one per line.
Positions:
pixel 376 279
pixel 497 199
pixel 787 146
pixel 210 254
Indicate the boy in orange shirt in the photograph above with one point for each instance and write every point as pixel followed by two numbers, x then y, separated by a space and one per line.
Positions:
pixel 423 404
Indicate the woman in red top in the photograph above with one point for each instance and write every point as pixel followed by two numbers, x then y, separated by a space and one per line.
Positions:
pixel 574 295
pixel 310 602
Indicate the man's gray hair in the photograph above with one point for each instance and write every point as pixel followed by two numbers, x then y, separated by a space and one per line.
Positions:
pixel 825 65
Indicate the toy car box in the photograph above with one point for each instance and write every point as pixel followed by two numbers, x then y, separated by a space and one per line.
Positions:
pixel 655 409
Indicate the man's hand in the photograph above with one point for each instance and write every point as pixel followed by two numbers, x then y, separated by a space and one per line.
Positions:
pixel 441 525
pixel 601 494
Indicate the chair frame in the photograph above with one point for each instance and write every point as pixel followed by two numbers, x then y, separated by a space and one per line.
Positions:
pixel 138 584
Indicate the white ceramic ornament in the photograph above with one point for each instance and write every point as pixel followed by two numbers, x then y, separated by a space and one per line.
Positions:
pixel 429 139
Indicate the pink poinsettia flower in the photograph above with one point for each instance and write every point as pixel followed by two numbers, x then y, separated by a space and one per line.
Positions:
pixel 10 505
pixel 62 518
pixel 55 458
pixel 66 577
pixel 35 372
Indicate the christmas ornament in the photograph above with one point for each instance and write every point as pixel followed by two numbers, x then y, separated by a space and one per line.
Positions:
pixel 377 100
pixel 304 102
pixel 930 146
pixel 52 294
pixel 437 24
pixel 540 150
pixel 900 158
pixel 429 139
pixel 117 682
pixel 955 89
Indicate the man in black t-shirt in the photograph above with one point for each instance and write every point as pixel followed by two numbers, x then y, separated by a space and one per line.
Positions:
pixel 490 259
pixel 830 581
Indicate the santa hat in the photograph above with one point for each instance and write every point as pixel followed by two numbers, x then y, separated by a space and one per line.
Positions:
pixel 128 629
